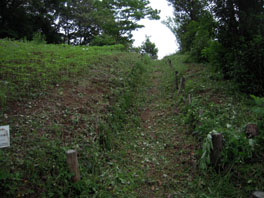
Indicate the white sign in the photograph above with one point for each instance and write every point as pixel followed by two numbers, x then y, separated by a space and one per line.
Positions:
pixel 4 136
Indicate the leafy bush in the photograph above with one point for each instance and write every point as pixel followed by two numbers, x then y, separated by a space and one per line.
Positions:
pixel 38 38
pixel 102 40
pixel 205 117
pixel 45 162
pixel 204 32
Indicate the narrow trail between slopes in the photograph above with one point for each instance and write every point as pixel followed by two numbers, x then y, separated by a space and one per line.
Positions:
pixel 167 154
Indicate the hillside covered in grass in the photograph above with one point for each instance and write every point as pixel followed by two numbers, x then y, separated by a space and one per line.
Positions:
pixel 136 134
pixel 56 97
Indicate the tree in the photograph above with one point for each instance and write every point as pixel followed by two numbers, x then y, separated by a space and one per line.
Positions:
pixel 118 18
pixel 149 48
pixel 188 17
pixel 240 34
pixel 73 21
pixel 188 10
pixel 229 33
pixel 22 18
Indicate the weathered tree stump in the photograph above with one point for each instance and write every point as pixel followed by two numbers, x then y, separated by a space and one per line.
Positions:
pixel 182 86
pixel 217 140
pixel 257 194
pixel 251 130
pixel 72 162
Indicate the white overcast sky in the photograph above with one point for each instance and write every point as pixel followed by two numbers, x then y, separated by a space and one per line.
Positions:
pixel 159 34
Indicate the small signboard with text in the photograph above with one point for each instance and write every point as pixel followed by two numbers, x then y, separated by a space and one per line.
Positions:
pixel 4 136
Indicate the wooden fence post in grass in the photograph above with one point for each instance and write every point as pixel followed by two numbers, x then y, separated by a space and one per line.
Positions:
pixel 72 162
pixel 170 64
pixel 182 86
pixel 217 140
pixel 189 99
pixel 257 194
pixel 176 80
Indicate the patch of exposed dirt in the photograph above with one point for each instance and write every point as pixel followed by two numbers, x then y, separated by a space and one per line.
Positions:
pixel 168 159
pixel 64 111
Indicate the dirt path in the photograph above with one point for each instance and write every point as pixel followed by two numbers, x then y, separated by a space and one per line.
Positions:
pixel 167 154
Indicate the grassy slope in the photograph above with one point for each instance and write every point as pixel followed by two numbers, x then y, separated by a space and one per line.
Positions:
pixel 135 136
pixel 217 106
pixel 29 68
pixel 57 97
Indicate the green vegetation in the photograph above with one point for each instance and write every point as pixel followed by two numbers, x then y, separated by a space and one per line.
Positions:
pixel 149 49
pixel 27 68
pixel 134 134
pixel 68 97
pixel 221 34
pixel 218 106
pixel 78 22
pixel 226 33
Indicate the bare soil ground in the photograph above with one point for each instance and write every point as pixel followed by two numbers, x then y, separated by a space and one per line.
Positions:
pixel 168 154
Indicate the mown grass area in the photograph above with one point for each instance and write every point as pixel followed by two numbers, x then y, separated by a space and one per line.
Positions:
pixel 217 106
pixel 28 68
pixel 57 97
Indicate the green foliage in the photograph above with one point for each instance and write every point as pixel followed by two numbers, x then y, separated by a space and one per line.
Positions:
pixel 206 150
pixel 119 117
pixel 258 108
pixel 38 38
pixel 35 164
pixel 102 40
pixel 149 48
pixel 192 25
pixel 44 162
pixel 202 34
pixel 74 22
pixel 241 31
pixel 25 73
pixel 217 107
pixel 203 119
pixel 212 53
pixel 233 44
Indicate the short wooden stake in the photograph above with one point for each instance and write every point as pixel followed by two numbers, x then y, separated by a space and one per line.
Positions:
pixel 176 80
pixel 217 140
pixel 189 99
pixel 72 162
pixel 170 64
pixel 182 86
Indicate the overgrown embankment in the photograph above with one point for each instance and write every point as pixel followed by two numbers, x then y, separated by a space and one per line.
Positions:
pixel 210 106
pixel 57 97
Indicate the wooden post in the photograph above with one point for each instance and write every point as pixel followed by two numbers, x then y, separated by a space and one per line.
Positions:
pixel 170 64
pixel 189 99
pixel 201 113
pixel 217 140
pixel 251 130
pixel 182 86
pixel 176 80
pixel 72 162
pixel 257 194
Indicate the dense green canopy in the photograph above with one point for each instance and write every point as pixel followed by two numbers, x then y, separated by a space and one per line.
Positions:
pixel 73 21
pixel 227 33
